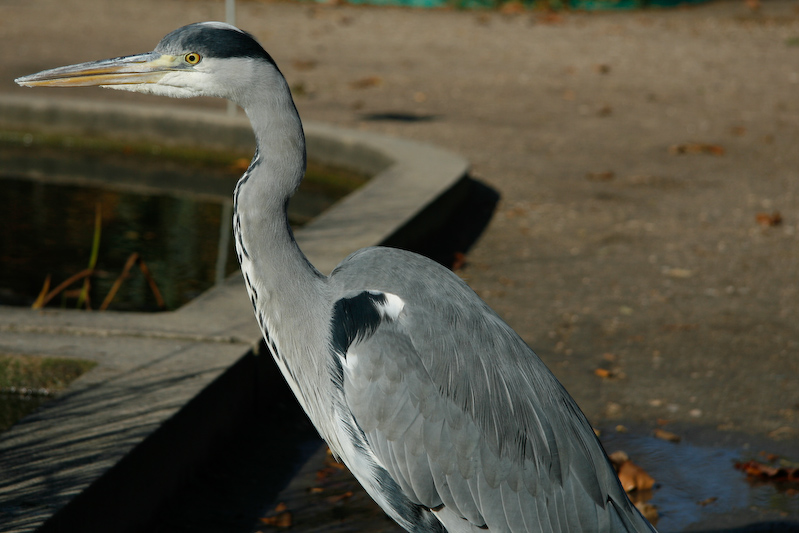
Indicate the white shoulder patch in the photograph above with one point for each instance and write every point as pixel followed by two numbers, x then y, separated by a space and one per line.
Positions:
pixel 392 307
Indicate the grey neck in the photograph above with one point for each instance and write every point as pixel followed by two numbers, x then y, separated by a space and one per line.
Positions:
pixel 290 296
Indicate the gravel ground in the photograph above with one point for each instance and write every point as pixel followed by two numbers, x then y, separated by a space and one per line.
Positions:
pixel 646 164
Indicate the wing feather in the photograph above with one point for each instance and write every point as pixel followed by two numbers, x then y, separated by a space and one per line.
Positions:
pixel 460 412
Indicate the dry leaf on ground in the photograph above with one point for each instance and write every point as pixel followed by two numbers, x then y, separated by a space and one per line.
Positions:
pixel 632 476
pixel 758 470
pixel 600 176
pixel 667 435
pixel 765 219
pixel 340 497
pixel 368 81
pixel 603 373
pixel 696 148
pixel 458 260
pixel 281 518
pixel 304 64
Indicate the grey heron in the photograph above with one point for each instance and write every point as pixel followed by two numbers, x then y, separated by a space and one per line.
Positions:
pixel 440 410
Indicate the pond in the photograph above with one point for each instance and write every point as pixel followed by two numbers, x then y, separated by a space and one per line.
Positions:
pixel 161 215
pixel 698 487
pixel 171 207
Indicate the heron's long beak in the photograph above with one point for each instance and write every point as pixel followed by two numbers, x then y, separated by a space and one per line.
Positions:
pixel 129 70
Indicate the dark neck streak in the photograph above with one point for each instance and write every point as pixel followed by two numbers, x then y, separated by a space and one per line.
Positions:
pixel 288 294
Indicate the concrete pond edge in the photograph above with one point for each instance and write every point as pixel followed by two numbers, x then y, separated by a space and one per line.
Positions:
pixel 168 385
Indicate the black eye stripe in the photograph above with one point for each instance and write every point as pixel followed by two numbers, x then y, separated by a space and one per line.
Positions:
pixel 215 42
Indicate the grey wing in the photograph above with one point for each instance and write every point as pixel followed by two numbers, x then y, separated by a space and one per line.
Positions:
pixel 470 424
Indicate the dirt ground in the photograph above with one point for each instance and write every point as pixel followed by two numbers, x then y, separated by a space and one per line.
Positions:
pixel 647 167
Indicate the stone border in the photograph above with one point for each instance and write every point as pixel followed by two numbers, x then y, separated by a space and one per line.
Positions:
pixel 170 378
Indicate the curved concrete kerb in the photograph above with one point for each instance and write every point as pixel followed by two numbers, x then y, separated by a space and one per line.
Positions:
pixel 152 365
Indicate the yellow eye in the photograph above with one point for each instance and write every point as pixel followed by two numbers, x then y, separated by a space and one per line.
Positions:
pixel 192 58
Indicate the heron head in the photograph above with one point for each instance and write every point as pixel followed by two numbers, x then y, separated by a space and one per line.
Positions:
pixel 201 59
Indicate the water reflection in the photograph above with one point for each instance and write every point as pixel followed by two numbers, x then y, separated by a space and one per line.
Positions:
pixel 171 205
pixel 697 483
pixel 49 230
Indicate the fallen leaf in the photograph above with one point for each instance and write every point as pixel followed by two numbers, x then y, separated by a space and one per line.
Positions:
pixel 516 211
pixel 738 131
pixel 604 111
pixel 764 219
pixel 299 89
pixel 667 435
pixel 341 497
pixel 279 508
pixel 696 148
pixel 633 477
pixel 304 64
pixel 618 458
pixel 283 520
pixel 325 473
pixel 368 81
pixel 316 490
pixel 756 469
pixel 600 176
pixel 770 457
pixel 707 501
pixel 458 261
pixel 603 373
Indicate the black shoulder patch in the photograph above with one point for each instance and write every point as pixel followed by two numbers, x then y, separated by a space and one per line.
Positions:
pixel 355 318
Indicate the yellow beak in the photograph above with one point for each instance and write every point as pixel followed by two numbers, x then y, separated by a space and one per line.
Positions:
pixel 129 70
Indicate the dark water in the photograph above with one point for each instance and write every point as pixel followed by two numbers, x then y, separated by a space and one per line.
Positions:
pixel 174 213
pixel 49 228
pixel 698 487
pixel 14 406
